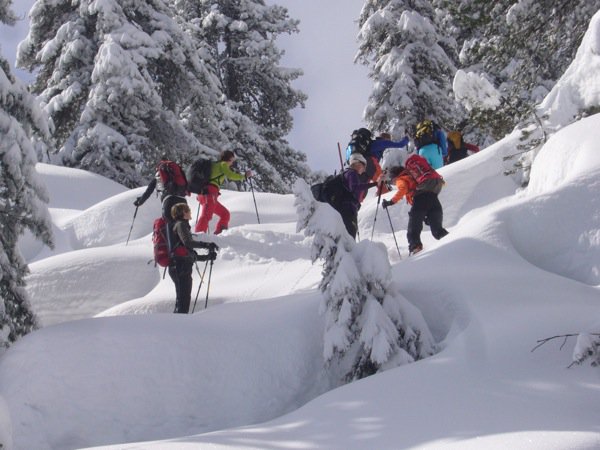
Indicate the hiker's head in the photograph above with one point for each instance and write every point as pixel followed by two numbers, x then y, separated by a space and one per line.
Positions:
pixel 357 162
pixel 179 211
pixel 393 172
pixel 228 156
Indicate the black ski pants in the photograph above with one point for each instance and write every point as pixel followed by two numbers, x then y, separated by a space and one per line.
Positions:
pixel 426 205
pixel 180 272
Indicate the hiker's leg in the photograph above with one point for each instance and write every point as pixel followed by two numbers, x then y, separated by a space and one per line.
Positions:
pixel 436 217
pixel 208 202
pixel 185 287
pixel 224 217
pixel 416 216
pixel 174 274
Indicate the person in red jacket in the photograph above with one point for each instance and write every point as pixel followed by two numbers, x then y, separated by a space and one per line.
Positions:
pixel 425 207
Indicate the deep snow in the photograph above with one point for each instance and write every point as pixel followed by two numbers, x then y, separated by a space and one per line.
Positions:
pixel 518 265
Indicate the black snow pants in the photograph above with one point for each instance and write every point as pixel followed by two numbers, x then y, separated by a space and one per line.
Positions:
pixel 180 272
pixel 426 205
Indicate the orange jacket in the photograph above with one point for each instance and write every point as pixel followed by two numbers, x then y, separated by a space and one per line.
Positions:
pixel 406 188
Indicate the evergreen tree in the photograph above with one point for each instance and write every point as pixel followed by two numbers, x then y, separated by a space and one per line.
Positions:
pixel 22 197
pixel 115 77
pixel 409 62
pixel 369 326
pixel 237 39
pixel 522 47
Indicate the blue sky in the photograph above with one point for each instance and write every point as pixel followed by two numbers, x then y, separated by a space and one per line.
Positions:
pixel 324 49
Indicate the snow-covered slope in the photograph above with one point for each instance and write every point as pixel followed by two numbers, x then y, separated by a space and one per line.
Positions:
pixel 247 372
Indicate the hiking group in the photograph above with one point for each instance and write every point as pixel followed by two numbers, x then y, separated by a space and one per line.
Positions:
pixel 174 243
pixel 414 175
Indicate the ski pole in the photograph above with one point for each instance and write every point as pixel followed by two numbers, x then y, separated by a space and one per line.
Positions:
pixel 340 154
pixel 131 228
pixel 208 284
pixel 376 209
pixel 255 207
pixel 393 232
pixel 200 285
pixel 198 213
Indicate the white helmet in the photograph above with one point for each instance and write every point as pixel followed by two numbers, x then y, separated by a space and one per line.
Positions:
pixel 357 157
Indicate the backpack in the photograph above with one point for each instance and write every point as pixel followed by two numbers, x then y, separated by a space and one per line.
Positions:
pixel 428 180
pixel 456 148
pixel 198 175
pixel 162 233
pixel 333 190
pixel 359 143
pixel 160 241
pixel 163 242
pixel 426 133
pixel 171 178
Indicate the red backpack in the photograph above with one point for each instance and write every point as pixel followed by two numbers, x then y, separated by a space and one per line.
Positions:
pixel 162 242
pixel 428 180
pixel 171 178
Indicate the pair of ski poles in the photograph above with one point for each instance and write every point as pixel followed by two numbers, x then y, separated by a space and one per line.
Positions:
pixel 211 261
pixel 389 218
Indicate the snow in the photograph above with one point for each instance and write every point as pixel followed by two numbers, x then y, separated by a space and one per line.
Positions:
pixel 248 372
pixel 112 367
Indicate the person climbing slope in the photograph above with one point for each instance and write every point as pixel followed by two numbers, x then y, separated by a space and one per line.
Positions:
pixel 220 171
pixel 420 184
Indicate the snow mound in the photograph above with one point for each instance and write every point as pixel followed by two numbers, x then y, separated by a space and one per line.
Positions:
pixel 579 87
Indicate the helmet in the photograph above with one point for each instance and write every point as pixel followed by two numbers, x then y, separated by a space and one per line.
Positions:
pixel 357 157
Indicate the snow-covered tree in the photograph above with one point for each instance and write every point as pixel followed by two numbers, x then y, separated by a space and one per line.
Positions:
pixel 369 326
pixel 22 197
pixel 114 76
pixel 522 47
pixel 408 56
pixel 237 38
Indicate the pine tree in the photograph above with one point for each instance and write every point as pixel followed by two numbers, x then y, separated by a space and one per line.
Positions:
pixel 22 197
pixel 237 38
pixel 369 326
pixel 523 47
pixel 115 77
pixel 409 62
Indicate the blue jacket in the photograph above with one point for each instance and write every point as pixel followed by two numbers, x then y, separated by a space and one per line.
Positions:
pixel 433 154
pixel 378 146
pixel 441 138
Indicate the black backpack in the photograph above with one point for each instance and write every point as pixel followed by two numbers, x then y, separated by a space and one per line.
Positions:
pixel 360 142
pixel 198 175
pixel 333 190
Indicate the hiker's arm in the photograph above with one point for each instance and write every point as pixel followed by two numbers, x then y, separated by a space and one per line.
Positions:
pixel 185 235
pixel 403 189
pixel 231 175
pixel 147 193
pixel 397 144
pixel 471 147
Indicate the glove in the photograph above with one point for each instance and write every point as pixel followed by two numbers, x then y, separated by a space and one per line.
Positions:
pixel 138 202
pixel 386 203
pixel 248 174
pixel 212 255
pixel 212 247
